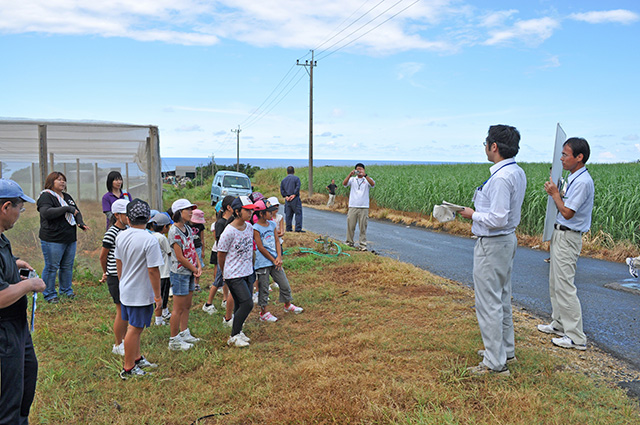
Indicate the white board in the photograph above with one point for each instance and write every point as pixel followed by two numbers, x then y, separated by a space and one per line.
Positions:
pixel 556 174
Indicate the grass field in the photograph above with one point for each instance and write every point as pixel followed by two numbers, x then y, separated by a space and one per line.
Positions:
pixel 417 188
pixel 380 342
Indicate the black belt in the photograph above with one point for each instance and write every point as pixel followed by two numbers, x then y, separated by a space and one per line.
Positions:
pixel 564 228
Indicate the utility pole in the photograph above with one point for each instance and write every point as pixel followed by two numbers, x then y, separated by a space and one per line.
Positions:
pixel 238 147
pixel 311 65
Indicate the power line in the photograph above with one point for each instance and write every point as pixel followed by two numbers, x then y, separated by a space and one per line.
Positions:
pixel 367 32
pixel 281 99
pixel 255 111
pixel 345 28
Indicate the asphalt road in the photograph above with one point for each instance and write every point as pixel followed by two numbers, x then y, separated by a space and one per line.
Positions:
pixel 610 316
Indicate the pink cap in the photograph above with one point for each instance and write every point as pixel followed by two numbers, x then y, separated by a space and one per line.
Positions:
pixel 198 217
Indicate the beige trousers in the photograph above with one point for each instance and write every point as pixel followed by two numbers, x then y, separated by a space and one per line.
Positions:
pixel 332 200
pixel 358 216
pixel 566 309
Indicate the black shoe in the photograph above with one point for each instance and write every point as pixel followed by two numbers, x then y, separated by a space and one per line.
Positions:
pixel 301 231
pixel 53 300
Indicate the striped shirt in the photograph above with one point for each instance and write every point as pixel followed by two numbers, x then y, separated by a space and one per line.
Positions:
pixel 109 242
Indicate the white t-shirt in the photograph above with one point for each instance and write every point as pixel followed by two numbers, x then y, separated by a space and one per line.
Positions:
pixel 239 248
pixel 138 250
pixel 165 269
pixel 359 195
pixel 278 220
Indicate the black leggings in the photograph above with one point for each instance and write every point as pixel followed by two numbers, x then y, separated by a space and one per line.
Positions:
pixel 241 289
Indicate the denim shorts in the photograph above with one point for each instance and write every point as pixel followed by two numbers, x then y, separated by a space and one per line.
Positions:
pixel 182 284
pixel 137 316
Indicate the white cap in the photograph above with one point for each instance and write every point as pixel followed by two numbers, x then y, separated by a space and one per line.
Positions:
pixel 273 200
pixel 182 204
pixel 119 206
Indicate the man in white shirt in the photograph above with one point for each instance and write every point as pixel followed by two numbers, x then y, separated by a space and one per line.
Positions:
pixel 575 205
pixel 498 202
pixel 360 184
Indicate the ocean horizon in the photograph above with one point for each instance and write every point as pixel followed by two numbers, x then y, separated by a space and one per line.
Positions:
pixel 170 163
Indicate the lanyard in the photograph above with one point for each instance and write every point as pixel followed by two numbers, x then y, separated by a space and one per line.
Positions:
pixel 566 190
pixel 493 174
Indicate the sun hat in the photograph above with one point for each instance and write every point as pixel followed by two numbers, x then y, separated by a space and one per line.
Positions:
pixel 119 206
pixel 182 204
pixel 242 202
pixel 273 200
pixel 271 207
pixel 10 189
pixel 198 217
pixel 256 196
pixel 161 219
pixel 138 210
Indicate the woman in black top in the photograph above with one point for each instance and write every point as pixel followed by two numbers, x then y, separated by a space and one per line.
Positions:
pixel 59 217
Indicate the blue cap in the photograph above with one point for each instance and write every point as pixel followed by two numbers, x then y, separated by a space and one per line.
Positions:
pixel 10 189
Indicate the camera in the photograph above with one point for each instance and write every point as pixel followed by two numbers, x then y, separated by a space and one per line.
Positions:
pixel 28 274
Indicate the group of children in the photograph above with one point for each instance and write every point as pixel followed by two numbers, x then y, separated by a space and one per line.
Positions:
pixel 146 256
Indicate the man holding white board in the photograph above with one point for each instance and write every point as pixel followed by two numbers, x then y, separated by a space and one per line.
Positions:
pixel 498 203
pixel 575 204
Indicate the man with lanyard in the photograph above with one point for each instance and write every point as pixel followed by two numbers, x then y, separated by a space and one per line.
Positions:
pixel 18 363
pixel 290 189
pixel 498 202
pixel 358 213
pixel 575 204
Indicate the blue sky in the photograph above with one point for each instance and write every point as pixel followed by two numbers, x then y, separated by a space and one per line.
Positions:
pixel 423 86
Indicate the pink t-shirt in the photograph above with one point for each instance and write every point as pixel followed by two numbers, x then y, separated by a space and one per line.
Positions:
pixel 239 248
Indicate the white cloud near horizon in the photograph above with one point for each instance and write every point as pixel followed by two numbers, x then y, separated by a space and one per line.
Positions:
pixel 619 16
pixel 530 31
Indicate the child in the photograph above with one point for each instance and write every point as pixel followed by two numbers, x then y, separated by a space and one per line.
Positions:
pixel 119 222
pixel 225 216
pixel 138 258
pixel 160 224
pixel 269 263
pixel 185 267
pixel 197 228
pixel 235 258
pixel 278 218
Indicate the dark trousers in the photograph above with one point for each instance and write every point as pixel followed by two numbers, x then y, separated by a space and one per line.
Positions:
pixel 241 289
pixel 19 371
pixel 165 285
pixel 290 209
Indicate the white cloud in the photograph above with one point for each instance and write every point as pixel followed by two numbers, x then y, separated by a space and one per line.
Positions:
pixel 606 155
pixel 284 23
pixel 619 16
pixel 631 137
pixel 499 18
pixel 188 128
pixel 531 32
pixel 408 69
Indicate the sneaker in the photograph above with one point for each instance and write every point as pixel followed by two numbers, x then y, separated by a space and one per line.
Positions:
pixel 547 260
pixel 275 285
pixel 177 344
pixel 255 298
pixel 224 304
pixel 118 349
pixel 482 370
pixel 210 309
pixel 166 316
pixel 219 291
pixel 227 323
pixel 548 329
pixel 159 321
pixel 362 247
pixel 237 341
pixel 133 373
pixel 293 309
pixel 53 300
pixel 509 359
pixel 268 317
pixel 186 336
pixel 243 336
pixel 566 342
pixel 143 363
pixel 197 288
pixel 632 270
